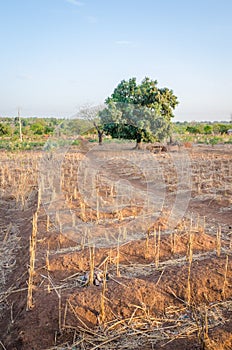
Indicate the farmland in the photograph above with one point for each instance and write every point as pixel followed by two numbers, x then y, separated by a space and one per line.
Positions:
pixel 106 247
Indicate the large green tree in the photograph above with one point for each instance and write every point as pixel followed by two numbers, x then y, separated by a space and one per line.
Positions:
pixel 139 111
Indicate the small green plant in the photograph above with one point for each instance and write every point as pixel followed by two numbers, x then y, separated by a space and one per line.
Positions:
pixel 215 140
pixel 76 143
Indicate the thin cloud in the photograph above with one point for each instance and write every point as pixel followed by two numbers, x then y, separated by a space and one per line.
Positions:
pixel 75 2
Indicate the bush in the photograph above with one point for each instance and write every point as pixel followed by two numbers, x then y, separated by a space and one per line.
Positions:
pixel 5 129
pixel 37 128
pixel 208 129
pixel 76 143
pixel 193 129
pixel 215 140
pixel 48 129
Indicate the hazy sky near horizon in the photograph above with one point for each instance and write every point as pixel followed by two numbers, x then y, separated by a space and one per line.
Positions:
pixel 57 55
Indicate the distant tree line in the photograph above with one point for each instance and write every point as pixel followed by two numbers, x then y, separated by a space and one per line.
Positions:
pixel 30 126
pixel 200 128
pixel 46 126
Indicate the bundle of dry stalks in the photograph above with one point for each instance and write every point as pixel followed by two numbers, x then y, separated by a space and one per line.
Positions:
pixel 32 262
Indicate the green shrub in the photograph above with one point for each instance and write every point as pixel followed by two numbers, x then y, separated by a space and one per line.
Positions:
pixel 215 140
pixel 76 143
pixel 5 129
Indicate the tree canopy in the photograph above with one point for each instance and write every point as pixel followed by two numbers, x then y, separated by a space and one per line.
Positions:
pixel 139 111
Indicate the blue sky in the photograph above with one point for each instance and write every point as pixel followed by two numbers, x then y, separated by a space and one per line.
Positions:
pixel 57 55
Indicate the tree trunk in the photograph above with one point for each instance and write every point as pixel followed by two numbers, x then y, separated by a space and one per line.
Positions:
pixel 138 145
pixel 100 137
pixel 138 141
pixel 100 134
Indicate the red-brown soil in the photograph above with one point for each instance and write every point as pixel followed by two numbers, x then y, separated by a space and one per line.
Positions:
pixel 170 289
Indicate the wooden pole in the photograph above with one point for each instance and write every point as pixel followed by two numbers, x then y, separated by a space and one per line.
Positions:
pixel 20 126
